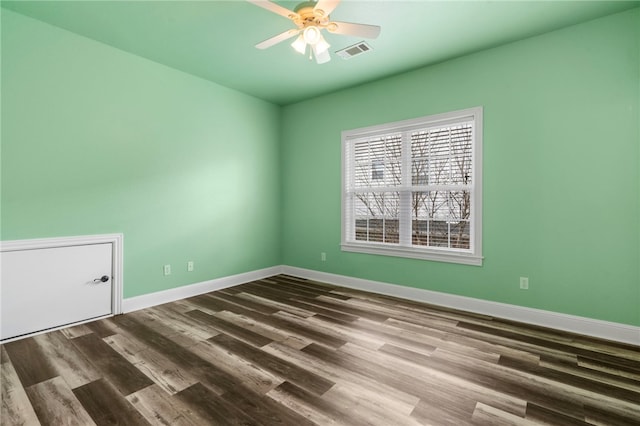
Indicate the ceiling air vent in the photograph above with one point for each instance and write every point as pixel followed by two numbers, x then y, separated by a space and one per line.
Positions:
pixel 355 50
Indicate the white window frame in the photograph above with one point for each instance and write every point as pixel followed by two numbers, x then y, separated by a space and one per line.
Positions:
pixel 471 256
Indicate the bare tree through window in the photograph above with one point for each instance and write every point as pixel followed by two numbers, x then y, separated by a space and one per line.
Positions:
pixel 440 159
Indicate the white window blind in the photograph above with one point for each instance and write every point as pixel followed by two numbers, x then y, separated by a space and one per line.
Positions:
pixel 413 188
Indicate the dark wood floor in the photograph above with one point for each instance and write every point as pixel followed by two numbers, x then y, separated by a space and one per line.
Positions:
pixel 288 351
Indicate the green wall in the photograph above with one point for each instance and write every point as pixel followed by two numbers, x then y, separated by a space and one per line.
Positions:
pixel 95 140
pixel 561 170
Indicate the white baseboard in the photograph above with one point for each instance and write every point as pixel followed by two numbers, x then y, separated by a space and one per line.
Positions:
pixel 581 325
pixel 152 299
pixel 587 326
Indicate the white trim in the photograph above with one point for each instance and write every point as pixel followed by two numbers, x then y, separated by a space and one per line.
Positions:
pixel 587 326
pixel 428 121
pixel 405 248
pixel 60 327
pixel 117 241
pixel 413 253
pixel 152 299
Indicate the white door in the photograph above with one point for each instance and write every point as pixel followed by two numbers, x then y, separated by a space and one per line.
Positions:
pixel 51 287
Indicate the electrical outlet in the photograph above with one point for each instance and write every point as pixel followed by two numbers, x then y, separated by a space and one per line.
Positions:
pixel 167 269
pixel 190 266
pixel 323 256
pixel 524 283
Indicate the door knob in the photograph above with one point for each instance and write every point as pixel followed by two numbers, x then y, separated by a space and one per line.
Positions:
pixel 102 279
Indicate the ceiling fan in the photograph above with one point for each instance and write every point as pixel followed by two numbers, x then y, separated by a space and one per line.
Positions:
pixel 310 18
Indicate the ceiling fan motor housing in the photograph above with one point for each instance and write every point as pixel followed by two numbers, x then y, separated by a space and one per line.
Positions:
pixel 308 16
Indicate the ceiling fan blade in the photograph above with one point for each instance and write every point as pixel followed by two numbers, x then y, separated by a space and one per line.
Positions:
pixel 321 57
pixel 327 6
pixel 275 8
pixel 359 30
pixel 277 39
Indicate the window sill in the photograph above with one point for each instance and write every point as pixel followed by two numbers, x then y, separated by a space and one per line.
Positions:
pixel 411 253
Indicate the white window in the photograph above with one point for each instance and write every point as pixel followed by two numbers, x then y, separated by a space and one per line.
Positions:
pixel 413 188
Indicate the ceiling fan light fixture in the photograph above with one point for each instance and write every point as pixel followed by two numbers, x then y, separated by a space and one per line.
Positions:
pixel 322 45
pixel 300 45
pixel 312 35
pixel 321 56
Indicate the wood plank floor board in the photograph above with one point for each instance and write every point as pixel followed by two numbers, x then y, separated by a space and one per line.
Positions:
pixel 212 408
pixel 399 313
pixel 76 331
pixel 333 335
pixel 244 303
pixel 181 323
pixel 543 415
pixel 564 397
pixel 290 351
pixel 407 354
pixel 361 404
pixel 292 290
pixel 260 406
pixel 102 328
pixel 416 384
pixel 625 358
pixel 488 415
pixel 215 305
pixel 461 388
pixel 252 376
pixel 16 409
pixel 229 328
pixel 30 362
pixel 304 304
pixel 609 367
pixel 476 338
pixel 288 289
pixel 310 291
pixel 331 319
pixel 341 374
pixel 344 306
pixel 168 375
pixel 607 377
pixel 124 376
pixel 602 416
pixel 295 325
pixel 518 386
pixel 207 373
pixel 55 404
pixel 329 313
pixel 434 329
pixel 273 333
pixel 158 323
pixel 291 372
pixel 125 344
pixel 441 312
pixel 432 412
pixel 4 356
pixel 69 362
pixel 415 341
pixel 308 405
pixel 272 298
pixel 576 380
pixel 107 406
pixel 160 408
